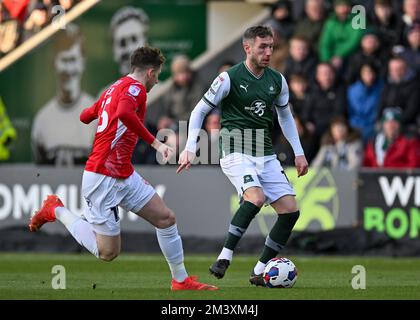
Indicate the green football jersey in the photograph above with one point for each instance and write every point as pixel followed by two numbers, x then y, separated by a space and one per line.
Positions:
pixel 246 103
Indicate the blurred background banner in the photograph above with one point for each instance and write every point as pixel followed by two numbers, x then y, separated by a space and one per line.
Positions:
pixel 328 198
pixel 106 34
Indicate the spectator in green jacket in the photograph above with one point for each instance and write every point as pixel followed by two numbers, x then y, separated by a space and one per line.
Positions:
pixel 339 38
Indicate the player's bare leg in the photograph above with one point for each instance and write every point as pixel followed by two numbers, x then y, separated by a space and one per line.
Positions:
pixel 163 219
pixel 254 199
pixel 109 247
pixel 288 213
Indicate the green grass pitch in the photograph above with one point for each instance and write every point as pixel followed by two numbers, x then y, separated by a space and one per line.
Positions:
pixel 29 276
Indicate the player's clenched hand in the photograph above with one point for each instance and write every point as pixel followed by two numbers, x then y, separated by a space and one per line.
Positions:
pixel 185 160
pixel 301 165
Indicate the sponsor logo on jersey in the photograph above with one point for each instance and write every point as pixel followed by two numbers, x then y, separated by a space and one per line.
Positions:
pixel 210 94
pixel 257 108
pixel 134 90
pixel 216 85
pixel 221 78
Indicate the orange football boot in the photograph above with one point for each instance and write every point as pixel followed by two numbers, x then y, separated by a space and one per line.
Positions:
pixel 46 213
pixel 191 283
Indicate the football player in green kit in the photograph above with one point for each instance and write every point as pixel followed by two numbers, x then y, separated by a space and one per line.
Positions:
pixel 246 94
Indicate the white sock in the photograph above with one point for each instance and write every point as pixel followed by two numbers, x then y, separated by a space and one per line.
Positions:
pixel 80 229
pixel 171 245
pixel 226 254
pixel 259 267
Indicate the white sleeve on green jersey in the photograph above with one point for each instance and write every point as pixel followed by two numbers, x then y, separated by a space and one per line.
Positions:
pixel 196 122
pixel 285 118
pixel 288 127
pixel 283 98
pixel 211 99
pixel 218 90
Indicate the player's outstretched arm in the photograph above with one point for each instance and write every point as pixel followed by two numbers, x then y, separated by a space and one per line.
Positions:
pixel 196 121
pixel 217 92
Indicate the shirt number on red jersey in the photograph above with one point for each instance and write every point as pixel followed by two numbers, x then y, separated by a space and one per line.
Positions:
pixel 104 118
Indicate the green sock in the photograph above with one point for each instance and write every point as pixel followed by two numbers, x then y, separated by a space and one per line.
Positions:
pixel 278 235
pixel 240 222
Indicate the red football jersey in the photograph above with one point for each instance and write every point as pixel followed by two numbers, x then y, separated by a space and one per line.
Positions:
pixel 123 105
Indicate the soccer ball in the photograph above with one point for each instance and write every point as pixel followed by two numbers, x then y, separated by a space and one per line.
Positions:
pixel 280 273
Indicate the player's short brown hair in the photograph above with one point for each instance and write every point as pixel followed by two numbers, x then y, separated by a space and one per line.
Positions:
pixel 257 31
pixel 147 57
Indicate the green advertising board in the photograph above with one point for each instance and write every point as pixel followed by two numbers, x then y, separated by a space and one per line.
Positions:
pixel 30 84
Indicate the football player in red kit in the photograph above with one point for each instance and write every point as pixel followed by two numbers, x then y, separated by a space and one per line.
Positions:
pixel 109 179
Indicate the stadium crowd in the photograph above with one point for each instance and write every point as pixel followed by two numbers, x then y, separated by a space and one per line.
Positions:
pixel 353 76
pixel 21 19
pixel 354 88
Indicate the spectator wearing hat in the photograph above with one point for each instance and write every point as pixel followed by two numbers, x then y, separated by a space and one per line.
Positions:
pixel 363 100
pixel 390 149
pixel 311 25
pixel 341 147
pixel 339 40
pixel 370 52
pixel 402 89
pixel 411 54
pixel 281 20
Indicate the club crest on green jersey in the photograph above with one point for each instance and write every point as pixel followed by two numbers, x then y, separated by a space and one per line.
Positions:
pixel 248 178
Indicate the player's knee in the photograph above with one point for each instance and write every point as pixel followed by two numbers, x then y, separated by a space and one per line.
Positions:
pixel 257 200
pixel 168 219
pixel 256 197
pixel 288 207
pixel 108 256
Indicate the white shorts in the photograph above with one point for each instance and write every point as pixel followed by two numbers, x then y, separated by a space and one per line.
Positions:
pixel 245 171
pixel 103 195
